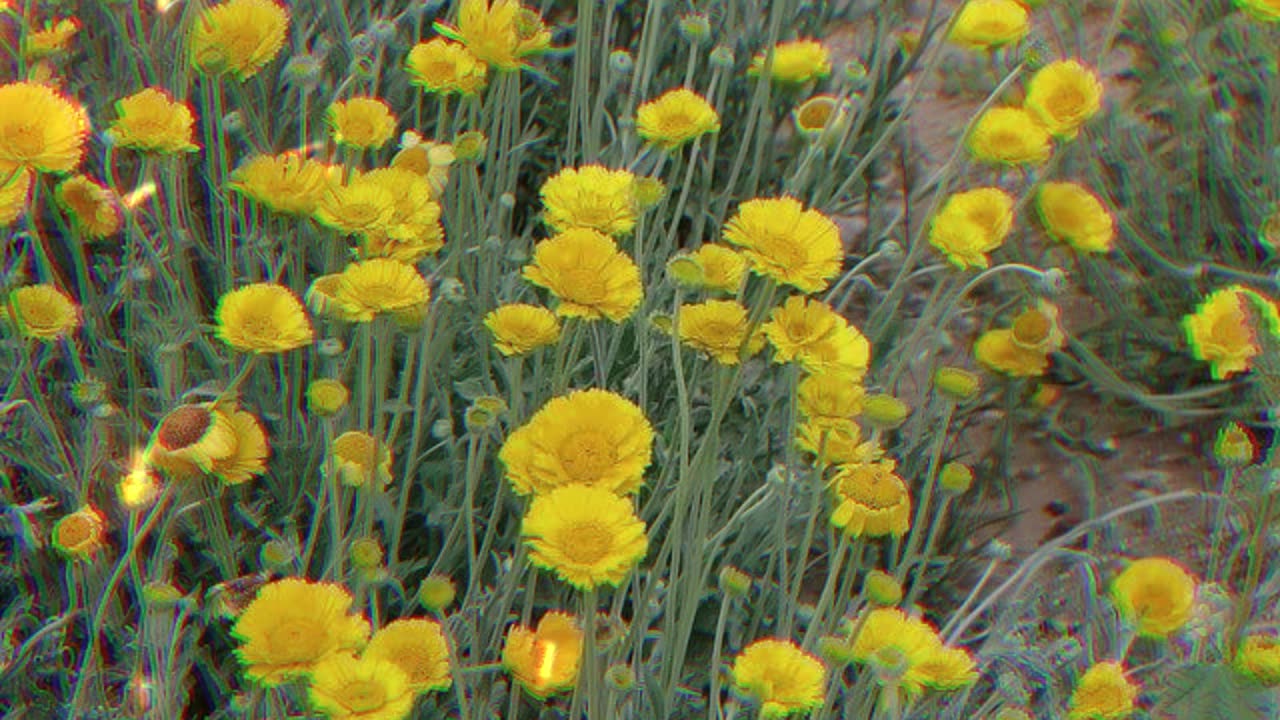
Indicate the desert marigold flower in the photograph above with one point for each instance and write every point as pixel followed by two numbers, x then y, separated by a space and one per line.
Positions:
pixel 1009 136
pixel 1234 446
pixel 784 241
pixel 822 117
pixel 431 160
pixel 380 285
pixel 326 397
pixel 972 224
pixel 1103 693
pixel 545 660
pixel 1022 350
pixel 419 648
pixel 80 534
pixel 359 206
pixel 836 442
pixel 588 274
pixel 719 328
pixel 288 183
pixel 249 459
pixel 1072 214
pixel 1259 659
pixel 345 687
pixel 827 398
pixel 1223 332
pixel 988 24
pixel 586 535
pixel 238 37
pixel 41 312
pixel 1063 95
pixel 592 196
pixel 53 38
pixel 889 635
pixel 499 32
pixel 359 456
pixel 818 338
pixel 94 209
pixel 1156 594
pixel 362 122
pixel 262 318
pixel 675 118
pixel 40 129
pixel 784 679
pixel 519 328
pixel 151 120
pixel 442 66
pixel 871 500
pixel 413 231
pixel 588 437
pixel 1263 10
pixel 794 62
pixel 191 439
pixel 722 268
pixel 15 193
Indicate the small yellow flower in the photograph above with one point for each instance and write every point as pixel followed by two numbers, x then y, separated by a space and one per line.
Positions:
pixel 499 32
pixel 42 312
pixel 1023 349
pixel 431 160
pixel 80 534
pixel 379 285
pixel 413 231
pixel 722 268
pixel 361 206
pixel 545 660
pixel 419 648
pixel 718 328
pixel 972 224
pixel 1222 332
pixel 15 193
pixel 593 197
pixel 52 39
pixel 151 120
pixel 1009 136
pixel 325 396
pixel 836 442
pixel 361 122
pixel 587 536
pixel 795 62
pixel 442 66
pixel 1259 659
pixel 675 118
pixel 238 37
pixel 1063 95
pixel 40 129
pixel 1156 594
pixel 588 274
pixel 818 338
pixel 287 183
pixel 822 117
pixel 94 209
pixel 519 328
pixel 871 500
pixel 783 678
pixel 191 439
pixel 1072 214
pixel 345 687
pixel 1103 693
pixel 359 456
pixel 1262 10
pixel 826 398
pixel 262 318
pixel 989 24
pixel 784 241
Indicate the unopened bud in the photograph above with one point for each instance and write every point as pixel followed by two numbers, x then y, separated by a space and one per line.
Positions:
pixel 955 478
pixel 1234 446
pixel 884 412
pixel 734 582
pixel 470 146
pixel 366 553
pixel 436 593
pixel 882 589
pixel 957 384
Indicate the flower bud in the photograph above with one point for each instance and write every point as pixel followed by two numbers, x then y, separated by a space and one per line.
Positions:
pixel 470 146
pixel 884 412
pixel 648 192
pixel 436 593
pixel 325 396
pixel 620 677
pixel 88 393
pixel 442 429
pixel 685 271
pixel 837 651
pixel 722 57
pixel 882 589
pixel 1234 446
pixel 366 553
pixel 955 478
pixel 382 31
pixel 621 62
pixel 232 123
pixel 79 535
pixel 957 384
pixel 161 594
pixel 734 582
pixel 453 291
pixel 276 555
pixel 303 72
pixel 695 27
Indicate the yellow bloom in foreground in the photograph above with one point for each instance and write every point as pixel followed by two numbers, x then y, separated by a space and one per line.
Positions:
pixel 1222 332
pixel 345 687
pixel 890 636
pixel 1103 693
pixel 519 328
pixel 151 120
pixel 784 679
pixel 362 122
pixel 588 437
pixel 545 660
pixel 1063 95
pixel 287 183
pixel 719 328
pixel 40 129
pixel 442 66
pixel 784 241
pixel 359 456
pixel 1009 136
pixel 419 648
pixel 499 32
pixel 292 625
pixel 380 285
pixel 52 39
pixel 80 534
pixel 972 224
pixel 988 24
pixel 262 318
pixel 722 268
pixel 1156 594
pixel 675 118
pixel 795 62
pixel 586 535
pixel 360 206
pixel 810 333
pixel 42 312
pixel 94 209
pixel 592 196
pixel 871 500
pixel 238 37
pixel 1072 214
pixel 1259 659
pixel 588 274
pixel 14 195
pixel 1264 10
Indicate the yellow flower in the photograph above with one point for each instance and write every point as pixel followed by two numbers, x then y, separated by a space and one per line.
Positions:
pixel 499 32
pixel 80 534
pixel 588 437
pixel 675 118
pixel 1073 215
pixel 784 241
pixel 1063 95
pixel 545 661
pixel 519 328
pixel 972 224
pixel 1103 693
pixel 249 459
pixel 40 129
pixel 988 24
pixel 94 209
pixel 413 231
pixel 817 337
pixel 419 648
pixel 1009 136
pixel 357 207
pixel 445 67
pixel 191 439
pixel 344 687
pixel 262 318
pixel 1222 332
pixel 836 442
pixel 592 196
pixel 429 159
pixel 822 117
pixel 15 193
pixel 826 398
pixel 795 62
pixel 1156 594
pixel 51 40
pixel 1259 659
pixel 889 635
pixel 380 285
pixel 151 120
pixel 588 274
pixel 784 679
pixel 719 328
pixel 945 668
pixel 288 183
pixel 42 312
pixel 1263 10
pixel 1023 349
pixel 871 500
pixel 238 37
pixel 586 535
pixel 326 397
pixel 359 456
pixel 722 268
pixel 361 122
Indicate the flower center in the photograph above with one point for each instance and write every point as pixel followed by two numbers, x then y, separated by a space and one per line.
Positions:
pixel 1066 100
pixel 586 456
pixel 24 141
pixel 1229 330
pixel 361 696
pixel 586 543
pixel 76 531
pixel 295 640
pixel 871 487
pixel 183 427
